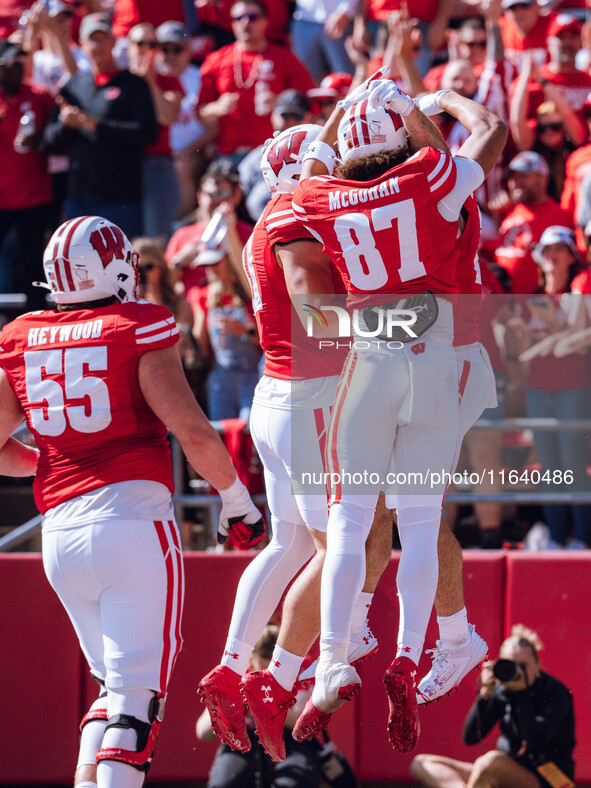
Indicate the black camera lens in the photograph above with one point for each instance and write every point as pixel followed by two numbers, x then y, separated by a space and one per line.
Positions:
pixel 506 670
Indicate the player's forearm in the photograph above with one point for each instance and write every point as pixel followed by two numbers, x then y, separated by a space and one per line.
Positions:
pixel 16 459
pixel 488 133
pixel 328 135
pixel 423 132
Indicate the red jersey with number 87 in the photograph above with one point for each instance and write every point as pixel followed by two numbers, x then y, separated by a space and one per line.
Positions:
pixel 387 235
pixel 75 375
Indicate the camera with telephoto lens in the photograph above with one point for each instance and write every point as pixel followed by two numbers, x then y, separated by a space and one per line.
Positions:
pixel 506 670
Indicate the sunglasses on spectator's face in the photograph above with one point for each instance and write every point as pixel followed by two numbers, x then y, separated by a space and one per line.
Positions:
pixel 147 266
pixel 146 44
pixel 251 16
pixel 292 115
pixel 544 127
pixel 475 44
pixel 172 49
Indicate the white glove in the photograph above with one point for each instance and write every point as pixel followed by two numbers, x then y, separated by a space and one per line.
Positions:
pixel 387 94
pixel 429 104
pixel 239 515
pixel 361 91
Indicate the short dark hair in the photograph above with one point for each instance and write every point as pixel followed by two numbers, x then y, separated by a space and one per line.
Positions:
pixel 222 169
pixel 366 168
pixel 258 3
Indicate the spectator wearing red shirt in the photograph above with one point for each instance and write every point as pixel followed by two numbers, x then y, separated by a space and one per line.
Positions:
pixel 215 20
pixel 522 28
pixel 559 388
pixel 160 188
pixel 433 17
pixel 25 183
pixel 219 191
pixel 468 42
pixel 241 81
pixel 128 13
pixel 561 73
pixel 532 211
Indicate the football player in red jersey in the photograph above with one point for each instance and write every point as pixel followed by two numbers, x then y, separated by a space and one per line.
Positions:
pixel 99 381
pixel 393 236
pixel 294 396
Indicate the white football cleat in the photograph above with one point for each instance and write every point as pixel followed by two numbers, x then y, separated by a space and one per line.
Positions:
pixel 361 648
pixel 450 665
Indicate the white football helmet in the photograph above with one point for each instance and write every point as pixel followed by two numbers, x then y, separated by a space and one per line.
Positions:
pixel 364 130
pixel 89 258
pixel 281 159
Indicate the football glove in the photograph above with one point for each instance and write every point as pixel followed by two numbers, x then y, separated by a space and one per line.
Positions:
pixel 361 91
pixel 386 93
pixel 239 515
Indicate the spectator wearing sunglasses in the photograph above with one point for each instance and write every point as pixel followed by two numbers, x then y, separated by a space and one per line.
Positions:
pixel 219 191
pixel 560 75
pixel 188 135
pixel 554 132
pixel 292 109
pixel 160 188
pixel 250 68
pixel 104 120
pixel 523 27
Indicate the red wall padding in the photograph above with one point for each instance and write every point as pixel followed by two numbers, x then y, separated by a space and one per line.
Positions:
pixel 46 689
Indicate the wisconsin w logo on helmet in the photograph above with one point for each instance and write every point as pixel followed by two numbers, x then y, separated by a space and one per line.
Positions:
pixel 109 242
pixel 285 151
pixel 281 160
pixel 88 259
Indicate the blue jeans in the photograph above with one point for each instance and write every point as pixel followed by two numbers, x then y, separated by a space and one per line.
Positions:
pixel 564 451
pixel 126 215
pixel 230 393
pixel 321 54
pixel 161 197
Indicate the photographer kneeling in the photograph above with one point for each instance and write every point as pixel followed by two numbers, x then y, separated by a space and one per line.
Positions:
pixel 537 726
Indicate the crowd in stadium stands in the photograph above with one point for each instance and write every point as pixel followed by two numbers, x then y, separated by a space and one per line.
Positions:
pixel 153 114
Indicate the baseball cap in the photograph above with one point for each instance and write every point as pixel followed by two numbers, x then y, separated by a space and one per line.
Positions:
pixel 555 234
pixel 508 3
pixel 94 23
pixel 563 23
pixel 172 32
pixel 209 257
pixel 332 86
pixel 529 161
pixel 292 101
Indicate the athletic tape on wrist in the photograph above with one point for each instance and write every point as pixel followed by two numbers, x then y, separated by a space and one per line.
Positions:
pixel 322 151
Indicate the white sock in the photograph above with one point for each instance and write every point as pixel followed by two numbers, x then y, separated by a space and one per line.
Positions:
pixel 236 655
pixel 453 630
pixel 285 667
pixel 360 613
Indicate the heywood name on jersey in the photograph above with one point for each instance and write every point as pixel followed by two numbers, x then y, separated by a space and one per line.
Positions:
pixel 342 199
pixel 47 335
